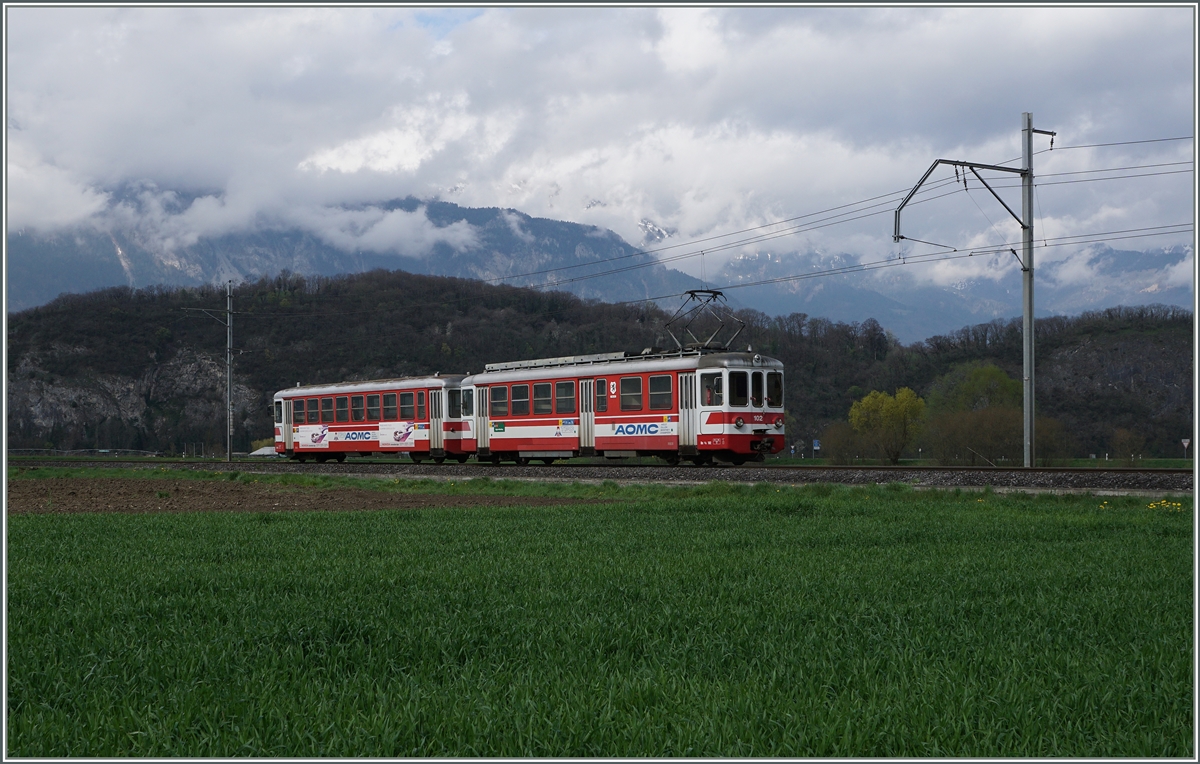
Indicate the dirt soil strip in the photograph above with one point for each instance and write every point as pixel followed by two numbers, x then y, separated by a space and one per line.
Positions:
pixel 76 495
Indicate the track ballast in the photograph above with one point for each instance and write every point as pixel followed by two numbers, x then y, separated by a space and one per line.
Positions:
pixel 1037 479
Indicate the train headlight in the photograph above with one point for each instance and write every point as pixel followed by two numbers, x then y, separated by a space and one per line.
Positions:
pixel 739 422
pixel 778 423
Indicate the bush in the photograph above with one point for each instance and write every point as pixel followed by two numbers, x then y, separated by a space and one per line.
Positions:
pixel 993 435
pixel 840 444
pixel 1127 446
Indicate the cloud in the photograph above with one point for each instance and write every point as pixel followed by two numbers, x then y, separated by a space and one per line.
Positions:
pixel 421 132
pixel 704 121
pixel 1182 273
pixel 398 232
pixel 42 196
pixel 691 39
pixel 514 224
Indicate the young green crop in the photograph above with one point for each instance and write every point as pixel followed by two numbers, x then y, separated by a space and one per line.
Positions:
pixel 720 620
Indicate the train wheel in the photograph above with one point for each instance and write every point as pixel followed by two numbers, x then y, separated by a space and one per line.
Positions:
pixel 702 461
pixel 439 459
pixel 322 459
pixel 671 459
pixel 461 458
pixel 302 459
pixel 738 461
pixel 522 461
pixel 417 459
pixel 495 460
pixel 341 458
pixel 547 461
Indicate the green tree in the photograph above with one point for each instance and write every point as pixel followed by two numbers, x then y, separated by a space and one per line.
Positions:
pixel 975 386
pixel 888 422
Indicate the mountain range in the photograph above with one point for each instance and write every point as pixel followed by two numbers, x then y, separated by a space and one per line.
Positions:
pixel 495 245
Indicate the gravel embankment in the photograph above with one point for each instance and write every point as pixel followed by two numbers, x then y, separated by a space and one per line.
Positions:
pixel 1041 480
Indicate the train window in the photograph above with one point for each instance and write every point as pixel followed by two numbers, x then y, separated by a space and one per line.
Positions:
pixel 327 410
pixel 298 410
pixel 711 390
pixel 739 387
pixel 406 406
pixel 564 397
pixel 389 407
pixel 602 395
pixel 520 400
pixel 660 392
pixel 631 393
pixel 278 412
pixel 499 402
pixel 357 413
pixel 373 408
pixel 468 402
pixel 342 405
pixel 454 404
pixel 420 404
pixel 314 415
pixel 756 391
pixel 543 402
pixel 775 389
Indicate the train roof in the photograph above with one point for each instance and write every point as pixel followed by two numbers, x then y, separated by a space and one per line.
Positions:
pixel 396 383
pixel 621 363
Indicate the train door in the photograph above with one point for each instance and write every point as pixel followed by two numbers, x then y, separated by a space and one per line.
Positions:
pixel 587 414
pixel 688 418
pixel 436 434
pixel 286 425
pixel 482 430
pixel 712 403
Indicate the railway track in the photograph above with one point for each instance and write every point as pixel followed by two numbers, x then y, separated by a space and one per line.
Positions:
pixel 1041 479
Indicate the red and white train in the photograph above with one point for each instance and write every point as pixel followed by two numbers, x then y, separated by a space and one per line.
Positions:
pixel 698 405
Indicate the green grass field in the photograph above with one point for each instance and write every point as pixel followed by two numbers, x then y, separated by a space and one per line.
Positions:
pixel 720 620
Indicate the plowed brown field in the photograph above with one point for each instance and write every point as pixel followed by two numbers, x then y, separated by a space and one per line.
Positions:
pixel 72 495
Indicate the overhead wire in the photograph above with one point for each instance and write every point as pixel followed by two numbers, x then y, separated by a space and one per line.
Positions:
pixel 1038 182
pixel 905 260
pixel 795 229
pixel 1114 177
pixel 753 239
pixel 1113 169
pixel 1063 240
pixel 837 219
pixel 1123 143
pixel 731 245
pixel 1134 233
pixel 803 228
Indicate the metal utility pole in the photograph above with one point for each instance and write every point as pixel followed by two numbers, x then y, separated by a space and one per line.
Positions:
pixel 1027 279
pixel 229 370
pixel 1026 258
pixel 228 322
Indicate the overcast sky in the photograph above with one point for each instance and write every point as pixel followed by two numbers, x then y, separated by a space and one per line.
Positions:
pixel 699 120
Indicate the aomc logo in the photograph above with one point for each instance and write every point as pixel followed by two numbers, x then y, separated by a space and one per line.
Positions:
pixel 637 429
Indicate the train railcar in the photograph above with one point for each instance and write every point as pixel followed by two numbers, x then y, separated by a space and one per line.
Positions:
pixel 425 417
pixel 701 405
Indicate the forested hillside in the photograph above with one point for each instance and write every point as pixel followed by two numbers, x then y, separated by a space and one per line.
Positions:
pixel 124 368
